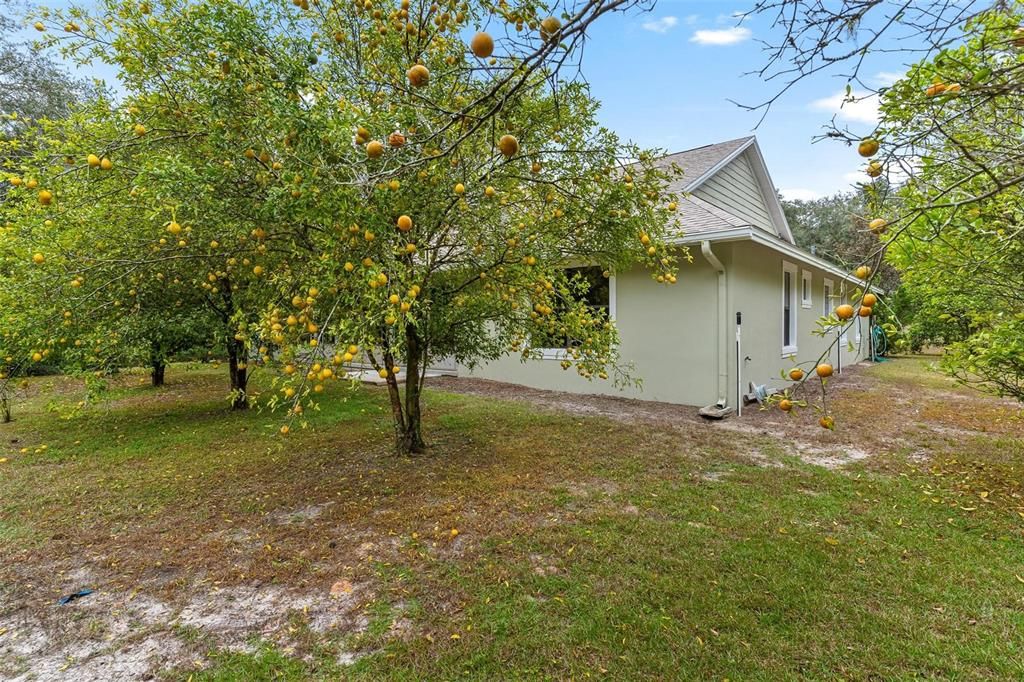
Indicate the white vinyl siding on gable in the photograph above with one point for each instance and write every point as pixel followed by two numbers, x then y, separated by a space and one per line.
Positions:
pixel 789 309
pixel 735 189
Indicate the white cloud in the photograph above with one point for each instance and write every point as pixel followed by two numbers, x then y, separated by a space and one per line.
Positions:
pixel 662 25
pixel 886 78
pixel 799 194
pixel 691 19
pixel 725 36
pixel 860 107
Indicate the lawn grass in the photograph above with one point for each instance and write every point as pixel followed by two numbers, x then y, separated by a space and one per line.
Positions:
pixel 538 545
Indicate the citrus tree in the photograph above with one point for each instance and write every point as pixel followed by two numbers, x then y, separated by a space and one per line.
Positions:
pixel 943 166
pixel 955 121
pixel 350 182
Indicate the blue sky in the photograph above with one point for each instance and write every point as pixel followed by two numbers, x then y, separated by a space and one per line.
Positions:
pixel 665 77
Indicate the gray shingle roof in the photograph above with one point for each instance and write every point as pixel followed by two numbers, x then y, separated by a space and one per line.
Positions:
pixel 699 160
pixel 694 215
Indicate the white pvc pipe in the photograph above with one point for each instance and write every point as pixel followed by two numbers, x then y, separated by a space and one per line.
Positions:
pixel 723 323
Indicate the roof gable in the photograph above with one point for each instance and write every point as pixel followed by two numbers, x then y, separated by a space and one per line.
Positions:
pixel 732 177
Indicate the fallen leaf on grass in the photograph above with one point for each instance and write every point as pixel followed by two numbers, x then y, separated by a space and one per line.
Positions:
pixel 831 540
pixel 341 587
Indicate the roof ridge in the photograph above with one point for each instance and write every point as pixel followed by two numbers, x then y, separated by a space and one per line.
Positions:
pixel 711 144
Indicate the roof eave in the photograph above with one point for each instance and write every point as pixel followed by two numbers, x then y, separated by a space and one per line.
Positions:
pixel 785 248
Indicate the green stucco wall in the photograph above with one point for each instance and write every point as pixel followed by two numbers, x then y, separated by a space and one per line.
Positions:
pixel 755 289
pixel 670 334
pixel 667 333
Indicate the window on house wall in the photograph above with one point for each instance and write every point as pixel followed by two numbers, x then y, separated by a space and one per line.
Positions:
pixel 599 294
pixel 805 289
pixel 826 298
pixel 789 306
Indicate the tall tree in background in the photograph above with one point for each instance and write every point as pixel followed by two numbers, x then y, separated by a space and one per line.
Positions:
pixel 32 84
pixel 834 228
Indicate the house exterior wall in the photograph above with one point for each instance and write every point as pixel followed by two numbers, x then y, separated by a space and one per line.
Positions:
pixel 735 189
pixel 667 332
pixel 670 334
pixel 755 289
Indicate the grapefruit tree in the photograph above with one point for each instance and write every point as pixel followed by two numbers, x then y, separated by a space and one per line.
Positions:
pixel 943 166
pixel 346 182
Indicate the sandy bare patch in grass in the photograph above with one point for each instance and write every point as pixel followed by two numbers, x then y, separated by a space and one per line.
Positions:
pixel 107 636
pixel 811 447
pixel 879 409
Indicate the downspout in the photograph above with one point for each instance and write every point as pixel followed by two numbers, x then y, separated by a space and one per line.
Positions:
pixel 723 333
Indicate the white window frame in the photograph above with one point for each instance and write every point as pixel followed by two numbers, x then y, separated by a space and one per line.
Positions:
pixel 806 283
pixel 562 353
pixel 791 349
pixel 828 292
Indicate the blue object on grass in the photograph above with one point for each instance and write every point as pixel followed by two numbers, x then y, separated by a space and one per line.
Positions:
pixel 68 598
pixel 880 343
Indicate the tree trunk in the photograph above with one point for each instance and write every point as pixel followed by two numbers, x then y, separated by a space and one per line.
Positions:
pixel 239 374
pixel 408 439
pixel 157 373
pixel 412 442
